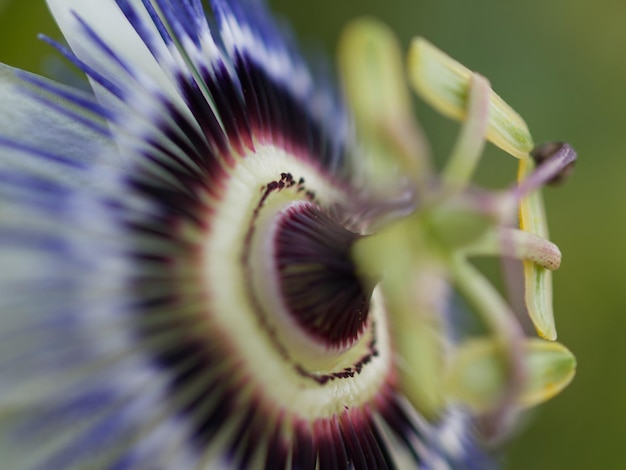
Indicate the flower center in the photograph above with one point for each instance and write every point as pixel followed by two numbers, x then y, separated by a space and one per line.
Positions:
pixel 281 294
pixel 317 277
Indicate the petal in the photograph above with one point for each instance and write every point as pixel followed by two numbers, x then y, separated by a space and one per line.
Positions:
pixel 277 83
pixel 35 116
pixel 126 51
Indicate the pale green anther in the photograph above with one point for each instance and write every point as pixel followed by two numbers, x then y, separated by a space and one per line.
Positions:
pixel 537 279
pixel 551 368
pixel 444 83
pixel 477 376
pixel 373 75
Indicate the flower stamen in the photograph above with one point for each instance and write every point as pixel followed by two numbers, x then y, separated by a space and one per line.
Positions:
pixel 451 221
pixel 548 167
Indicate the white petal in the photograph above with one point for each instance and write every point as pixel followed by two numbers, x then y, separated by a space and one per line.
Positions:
pixel 109 23
pixel 27 118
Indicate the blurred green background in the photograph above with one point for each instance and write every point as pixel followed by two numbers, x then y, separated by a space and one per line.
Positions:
pixel 560 64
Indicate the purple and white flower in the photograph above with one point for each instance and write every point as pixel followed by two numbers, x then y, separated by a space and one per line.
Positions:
pixel 223 259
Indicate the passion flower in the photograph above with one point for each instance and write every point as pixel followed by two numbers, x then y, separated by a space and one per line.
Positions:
pixel 215 262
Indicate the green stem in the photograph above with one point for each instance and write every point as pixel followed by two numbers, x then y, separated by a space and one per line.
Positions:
pixel 471 141
pixel 497 315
